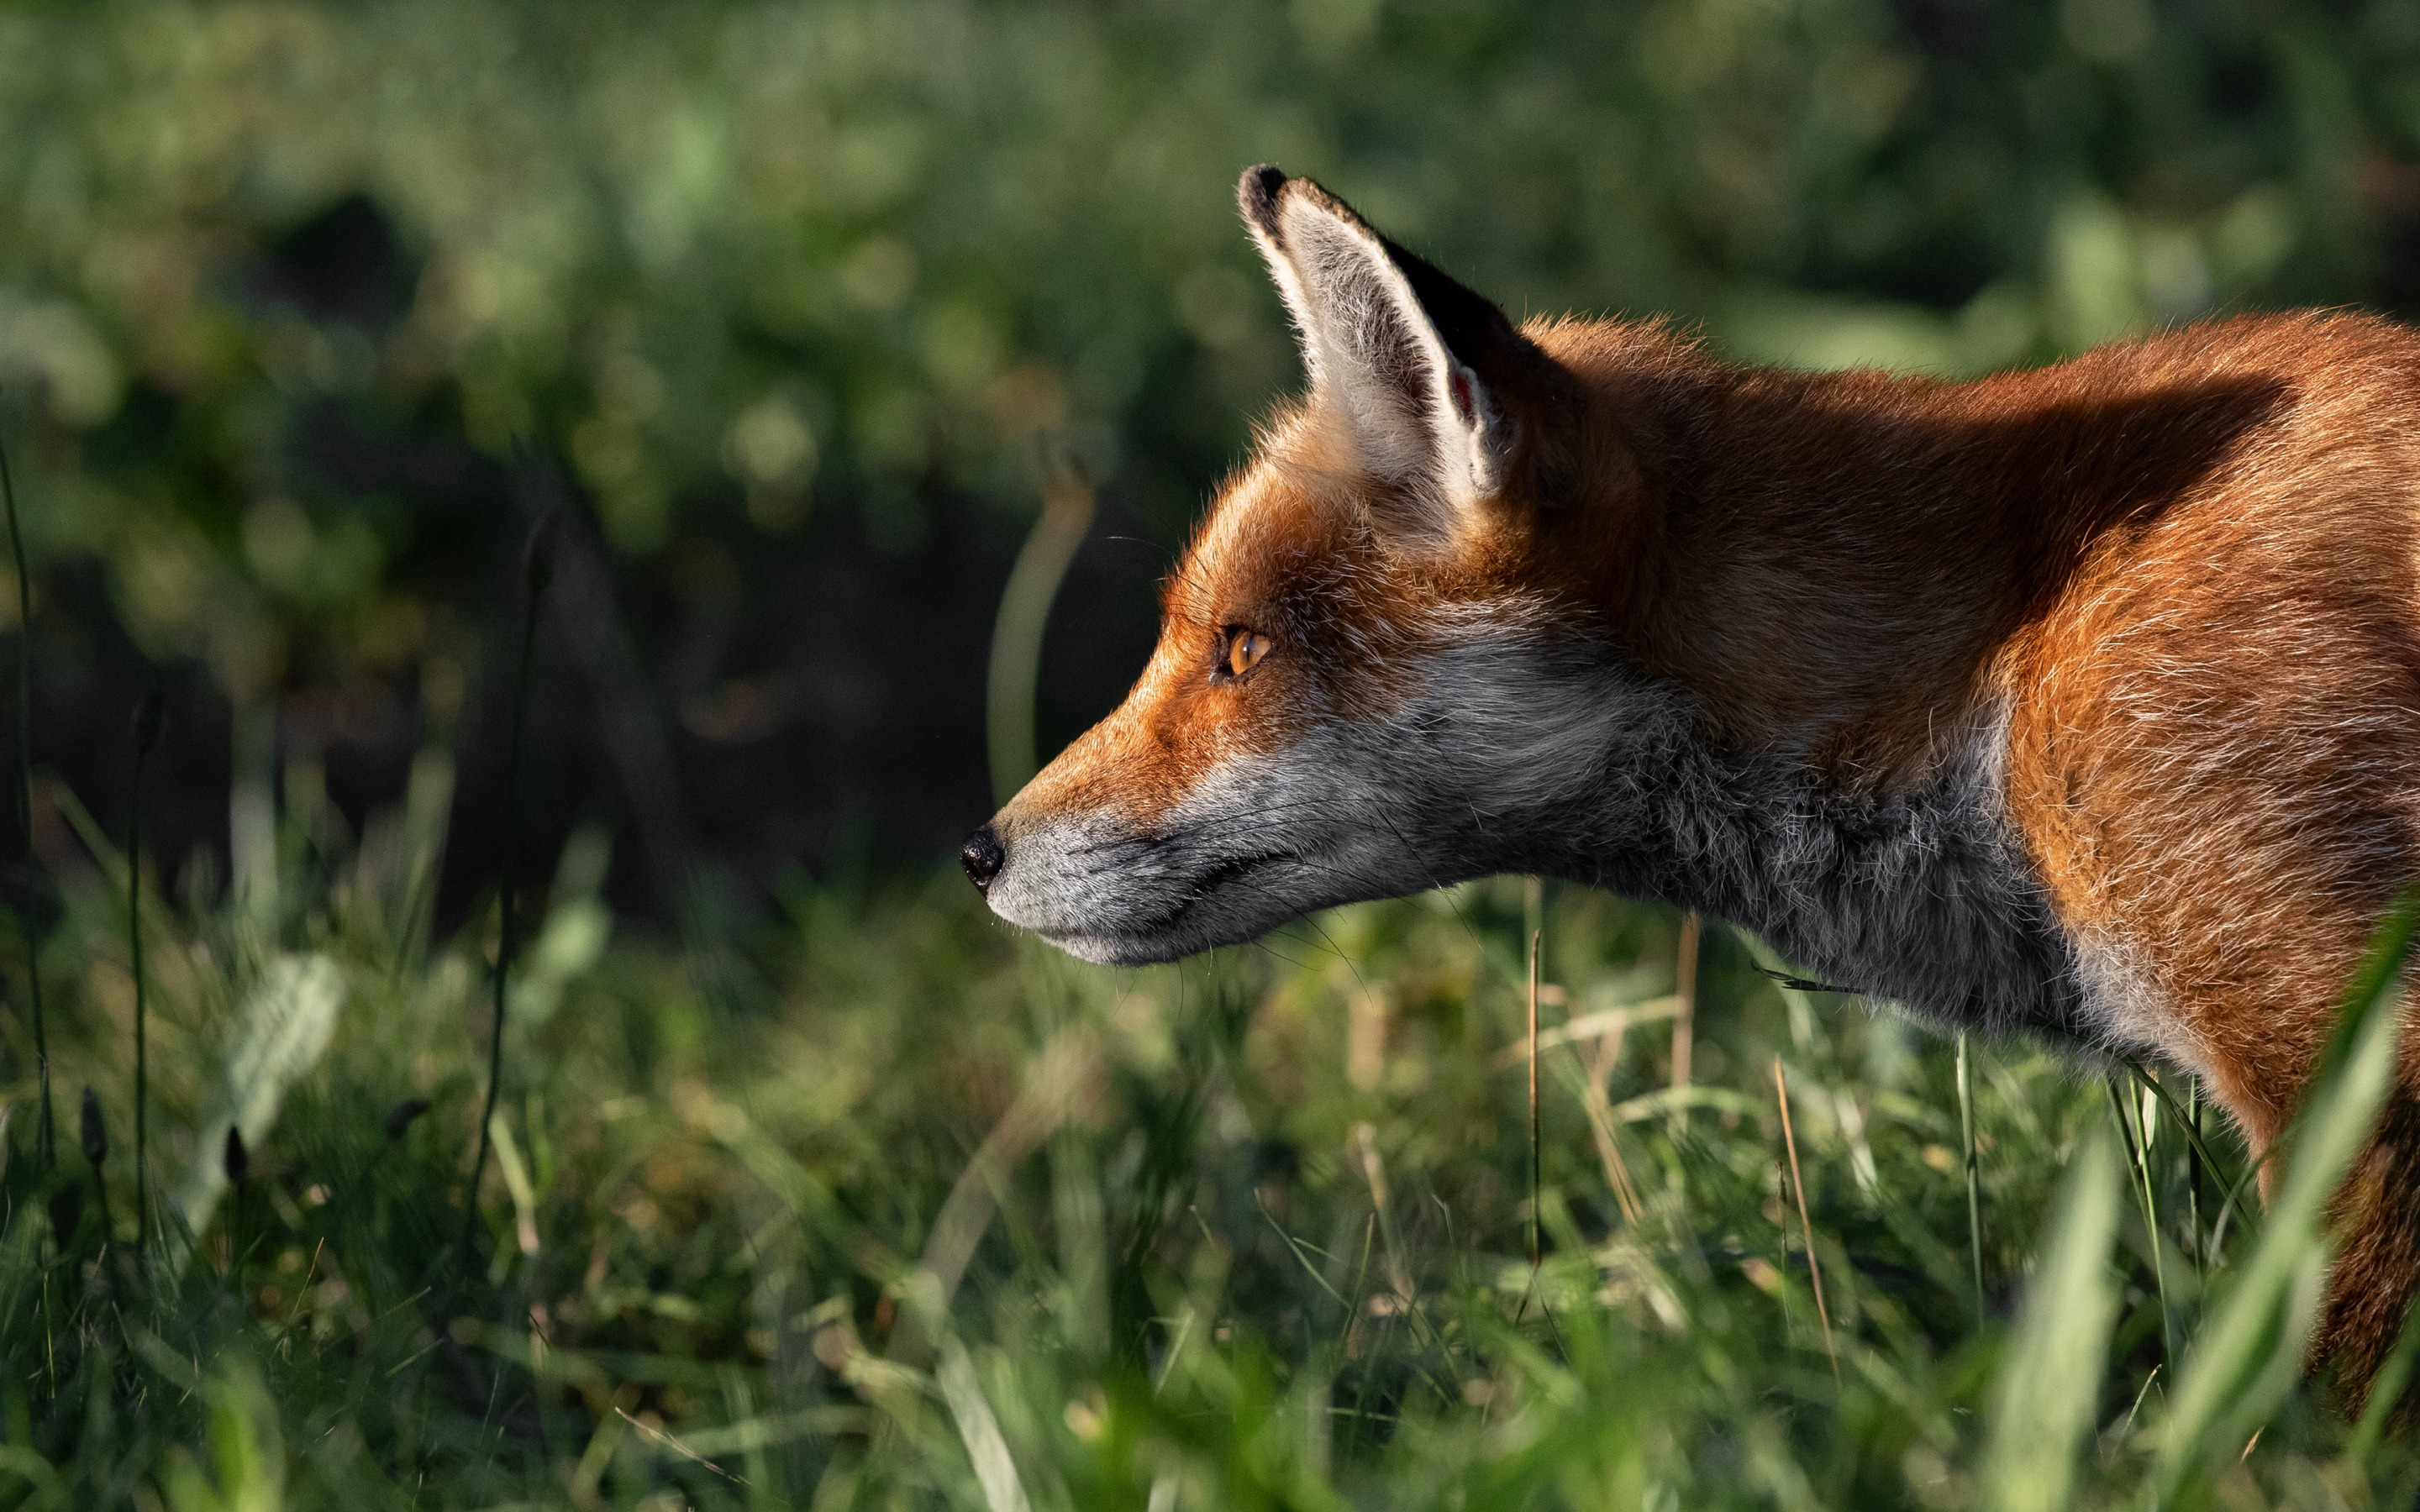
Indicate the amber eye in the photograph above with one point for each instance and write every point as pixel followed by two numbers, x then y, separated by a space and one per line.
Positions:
pixel 1245 648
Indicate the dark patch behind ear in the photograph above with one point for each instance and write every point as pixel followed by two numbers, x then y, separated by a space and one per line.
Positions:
pixel 1525 381
pixel 1474 331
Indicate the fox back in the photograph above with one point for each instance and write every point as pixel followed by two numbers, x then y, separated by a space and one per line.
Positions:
pixel 2083 701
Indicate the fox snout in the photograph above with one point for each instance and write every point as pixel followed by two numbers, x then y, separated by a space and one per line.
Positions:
pixel 1106 889
pixel 983 858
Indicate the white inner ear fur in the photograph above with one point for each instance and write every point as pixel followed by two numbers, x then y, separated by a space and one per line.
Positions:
pixel 1298 302
pixel 1415 416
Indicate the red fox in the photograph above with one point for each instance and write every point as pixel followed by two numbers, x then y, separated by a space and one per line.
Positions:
pixel 2083 701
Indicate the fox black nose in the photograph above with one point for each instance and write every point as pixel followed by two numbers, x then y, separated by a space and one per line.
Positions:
pixel 983 858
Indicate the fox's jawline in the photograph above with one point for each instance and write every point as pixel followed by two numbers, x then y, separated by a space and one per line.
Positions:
pixel 1207 886
pixel 1162 938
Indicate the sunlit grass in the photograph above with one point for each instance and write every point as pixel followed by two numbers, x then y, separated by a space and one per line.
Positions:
pixel 874 1203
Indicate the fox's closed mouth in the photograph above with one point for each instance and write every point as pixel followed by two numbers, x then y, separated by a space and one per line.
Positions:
pixel 1227 873
pixel 1209 885
pixel 1174 931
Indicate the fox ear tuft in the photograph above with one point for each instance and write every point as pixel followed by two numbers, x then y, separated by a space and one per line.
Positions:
pixel 1256 195
pixel 1409 363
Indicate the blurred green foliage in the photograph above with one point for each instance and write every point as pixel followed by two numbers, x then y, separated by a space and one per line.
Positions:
pixel 742 266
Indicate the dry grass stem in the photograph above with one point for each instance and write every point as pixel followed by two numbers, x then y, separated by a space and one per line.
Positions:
pixel 1024 612
pixel 1605 1023
pixel 1684 1010
pixel 1596 1069
pixel 1534 1250
pixel 1806 1225
pixel 1064 1083
pixel 649 1431
pixel 1373 1170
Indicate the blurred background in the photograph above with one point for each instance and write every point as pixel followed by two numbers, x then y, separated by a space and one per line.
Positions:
pixel 795 311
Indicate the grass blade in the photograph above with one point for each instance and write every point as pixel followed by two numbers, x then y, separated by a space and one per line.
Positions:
pixel 2139 1166
pixel 1684 1016
pixel 2186 1116
pixel 986 1448
pixel 1534 1251
pixel 1806 1225
pixel 2193 1177
pixel 146 735
pixel 541 567
pixel 282 1027
pixel 1974 1172
pixel 2043 1403
pixel 1017 634
pixel 47 1140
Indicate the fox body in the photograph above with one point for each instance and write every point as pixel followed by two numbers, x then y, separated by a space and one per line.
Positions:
pixel 2083 700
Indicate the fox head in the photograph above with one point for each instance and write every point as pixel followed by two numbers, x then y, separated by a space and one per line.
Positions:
pixel 1378 667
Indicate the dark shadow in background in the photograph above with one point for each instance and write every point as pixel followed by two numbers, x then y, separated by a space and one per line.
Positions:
pixel 737 707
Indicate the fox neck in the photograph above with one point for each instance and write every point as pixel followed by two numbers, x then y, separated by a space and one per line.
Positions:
pixel 1819 575
pixel 1921 896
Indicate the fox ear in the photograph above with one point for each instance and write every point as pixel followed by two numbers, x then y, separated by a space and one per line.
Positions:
pixel 1412 365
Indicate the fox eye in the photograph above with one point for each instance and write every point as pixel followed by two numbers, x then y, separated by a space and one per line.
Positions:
pixel 1244 650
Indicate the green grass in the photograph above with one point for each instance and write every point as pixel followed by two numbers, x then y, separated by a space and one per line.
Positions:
pixel 870 1203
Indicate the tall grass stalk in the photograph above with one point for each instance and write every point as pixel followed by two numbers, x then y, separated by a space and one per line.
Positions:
pixel 2043 1402
pixel 1017 634
pixel 46 1141
pixel 2187 1117
pixel 2138 1162
pixel 1535 1250
pixel 2193 1176
pixel 1974 1173
pixel 1806 1225
pixel 539 571
pixel 1685 1015
pixel 147 736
